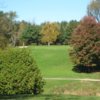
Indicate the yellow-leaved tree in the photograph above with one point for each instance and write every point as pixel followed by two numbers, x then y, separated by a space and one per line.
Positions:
pixel 49 32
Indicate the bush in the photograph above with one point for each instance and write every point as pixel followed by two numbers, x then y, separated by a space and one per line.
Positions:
pixel 86 43
pixel 19 73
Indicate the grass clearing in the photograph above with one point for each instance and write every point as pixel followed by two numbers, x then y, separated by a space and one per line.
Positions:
pixel 54 61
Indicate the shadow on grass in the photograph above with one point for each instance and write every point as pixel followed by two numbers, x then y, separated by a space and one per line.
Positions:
pixel 38 97
pixel 14 97
pixel 84 69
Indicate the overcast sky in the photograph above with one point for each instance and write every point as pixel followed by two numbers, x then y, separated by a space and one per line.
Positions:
pixel 39 11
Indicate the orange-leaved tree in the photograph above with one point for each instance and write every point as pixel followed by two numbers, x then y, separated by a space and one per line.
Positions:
pixel 86 43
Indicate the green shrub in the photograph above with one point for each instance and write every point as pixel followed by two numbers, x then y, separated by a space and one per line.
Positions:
pixel 19 73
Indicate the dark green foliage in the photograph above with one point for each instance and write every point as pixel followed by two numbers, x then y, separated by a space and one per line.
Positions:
pixel 31 34
pixel 63 34
pixel 70 28
pixel 19 73
pixel 86 43
pixel 66 29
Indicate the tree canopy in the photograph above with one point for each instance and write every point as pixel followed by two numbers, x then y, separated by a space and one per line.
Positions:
pixel 86 43
pixel 16 33
pixel 49 32
pixel 6 26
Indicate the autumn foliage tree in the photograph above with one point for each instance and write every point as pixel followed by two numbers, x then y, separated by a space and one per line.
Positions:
pixel 86 44
pixel 49 32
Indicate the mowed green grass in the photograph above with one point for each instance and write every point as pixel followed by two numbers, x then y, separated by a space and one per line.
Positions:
pixel 51 97
pixel 54 61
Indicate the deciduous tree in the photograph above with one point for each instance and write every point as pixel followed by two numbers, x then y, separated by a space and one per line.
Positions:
pixel 6 24
pixel 49 32
pixel 86 43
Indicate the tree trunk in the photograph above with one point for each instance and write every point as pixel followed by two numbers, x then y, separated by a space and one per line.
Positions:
pixel 23 44
pixel 48 43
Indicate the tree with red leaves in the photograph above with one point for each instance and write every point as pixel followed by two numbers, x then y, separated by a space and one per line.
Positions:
pixel 86 43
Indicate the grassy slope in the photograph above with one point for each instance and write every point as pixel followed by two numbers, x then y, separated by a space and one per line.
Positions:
pixel 51 60
pixel 54 61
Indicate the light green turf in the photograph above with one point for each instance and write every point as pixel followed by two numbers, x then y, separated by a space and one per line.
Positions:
pixel 54 61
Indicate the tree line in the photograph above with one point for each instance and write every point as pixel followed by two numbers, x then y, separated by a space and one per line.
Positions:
pixel 17 33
